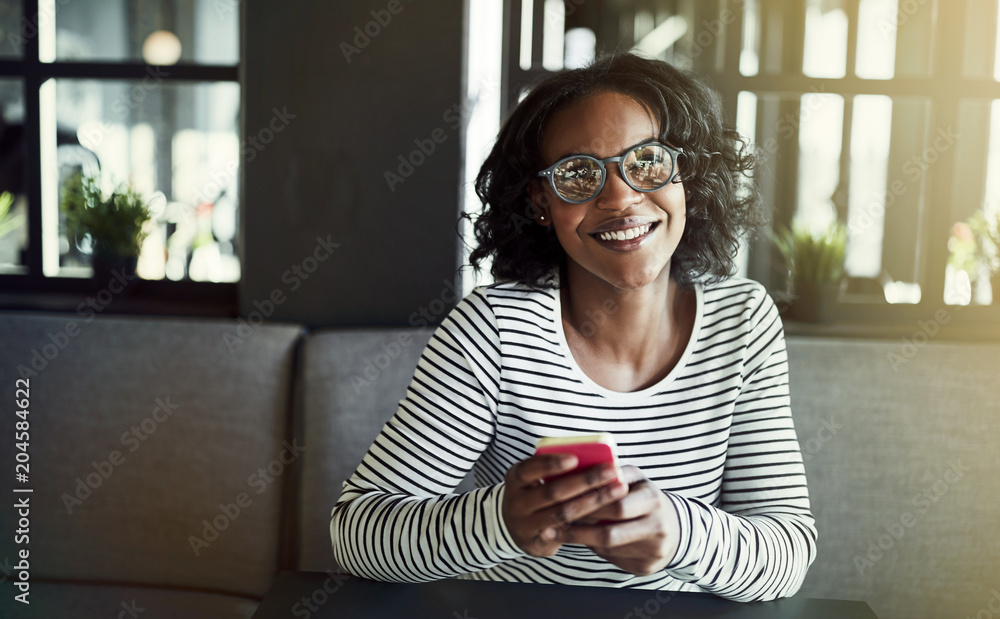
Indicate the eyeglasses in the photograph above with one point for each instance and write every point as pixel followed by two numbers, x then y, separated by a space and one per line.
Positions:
pixel 579 178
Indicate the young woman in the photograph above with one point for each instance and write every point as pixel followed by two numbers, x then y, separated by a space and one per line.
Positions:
pixel 614 202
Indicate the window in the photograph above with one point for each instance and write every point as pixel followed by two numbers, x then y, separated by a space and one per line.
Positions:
pixel 881 114
pixel 144 93
pixel 891 104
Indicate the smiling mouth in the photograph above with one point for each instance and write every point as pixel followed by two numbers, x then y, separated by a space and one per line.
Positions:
pixel 628 234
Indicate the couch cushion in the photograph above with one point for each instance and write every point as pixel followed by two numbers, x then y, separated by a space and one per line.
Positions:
pixel 95 600
pixel 141 428
pixel 353 381
pixel 900 448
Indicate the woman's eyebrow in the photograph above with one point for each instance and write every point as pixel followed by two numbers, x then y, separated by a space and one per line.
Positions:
pixel 621 153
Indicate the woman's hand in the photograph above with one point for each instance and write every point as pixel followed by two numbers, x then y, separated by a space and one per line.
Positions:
pixel 538 513
pixel 643 535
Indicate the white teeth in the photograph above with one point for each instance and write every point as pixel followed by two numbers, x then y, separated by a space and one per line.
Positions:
pixel 625 235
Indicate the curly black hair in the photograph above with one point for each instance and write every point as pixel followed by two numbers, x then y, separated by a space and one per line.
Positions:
pixel 721 207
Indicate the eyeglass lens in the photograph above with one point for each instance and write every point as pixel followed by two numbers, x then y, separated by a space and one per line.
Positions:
pixel 647 168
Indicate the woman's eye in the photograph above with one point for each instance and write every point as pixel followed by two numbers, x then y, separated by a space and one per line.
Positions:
pixel 578 170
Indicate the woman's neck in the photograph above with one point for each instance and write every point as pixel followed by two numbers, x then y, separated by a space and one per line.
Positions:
pixel 636 327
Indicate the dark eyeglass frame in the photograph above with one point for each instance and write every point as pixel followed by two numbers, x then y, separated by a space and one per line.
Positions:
pixel 549 172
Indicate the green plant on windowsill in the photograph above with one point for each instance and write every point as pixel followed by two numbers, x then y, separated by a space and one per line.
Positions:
pixel 114 223
pixel 988 229
pixel 974 246
pixel 815 262
pixel 9 220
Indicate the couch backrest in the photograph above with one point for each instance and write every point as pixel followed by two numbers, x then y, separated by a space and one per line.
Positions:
pixel 352 382
pixel 900 446
pixel 140 430
pixel 146 435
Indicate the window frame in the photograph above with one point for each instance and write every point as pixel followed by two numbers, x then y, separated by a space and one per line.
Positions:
pixel 942 88
pixel 35 291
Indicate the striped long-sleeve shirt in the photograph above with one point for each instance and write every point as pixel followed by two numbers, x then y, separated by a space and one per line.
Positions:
pixel 715 435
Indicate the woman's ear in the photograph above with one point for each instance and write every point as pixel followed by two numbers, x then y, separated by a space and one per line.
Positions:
pixel 539 203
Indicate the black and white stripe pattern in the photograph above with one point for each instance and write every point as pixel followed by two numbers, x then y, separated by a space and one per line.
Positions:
pixel 715 435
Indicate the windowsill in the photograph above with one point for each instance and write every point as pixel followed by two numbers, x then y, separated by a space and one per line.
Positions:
pixel 953 331
pixel 143 298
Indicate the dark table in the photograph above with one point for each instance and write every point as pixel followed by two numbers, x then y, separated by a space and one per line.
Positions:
pixel 317 595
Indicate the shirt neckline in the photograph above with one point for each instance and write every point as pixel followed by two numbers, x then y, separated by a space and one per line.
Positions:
pixel 627 395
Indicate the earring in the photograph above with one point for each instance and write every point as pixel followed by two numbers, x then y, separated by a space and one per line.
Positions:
pixel 541 218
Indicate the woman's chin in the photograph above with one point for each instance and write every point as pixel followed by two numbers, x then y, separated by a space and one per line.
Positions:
pixel 637 278
pixel 624 275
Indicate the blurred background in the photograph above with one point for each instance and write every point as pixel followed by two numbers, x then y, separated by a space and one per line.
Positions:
pixel 252 130
pixel 307 162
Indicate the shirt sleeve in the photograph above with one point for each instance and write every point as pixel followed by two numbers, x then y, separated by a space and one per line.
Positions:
pixel 398 518
pixel 761 539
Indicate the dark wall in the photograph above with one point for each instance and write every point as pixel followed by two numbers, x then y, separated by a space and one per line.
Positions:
pixel 323 172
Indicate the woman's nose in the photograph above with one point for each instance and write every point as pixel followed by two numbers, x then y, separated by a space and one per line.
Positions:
pixel 616 194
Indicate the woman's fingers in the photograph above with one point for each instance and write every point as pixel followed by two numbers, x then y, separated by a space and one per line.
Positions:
pixel 632 474
pixel 552 522
pixel 642 499
pixel 620 535
pixel 638 533
pixel 564 512
pixel 619 513
pixel 570 486
pixel 542 497
pixel 531 471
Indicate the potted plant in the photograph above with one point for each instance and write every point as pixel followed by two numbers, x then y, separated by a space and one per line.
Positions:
pixel 9 220
pixel 974 247
pixel 815 261
pixel 963 257
pixel 114 223
pixel 986 228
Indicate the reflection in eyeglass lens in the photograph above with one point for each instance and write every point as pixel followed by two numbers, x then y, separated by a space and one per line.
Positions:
pixel 648 167
pixel 578 179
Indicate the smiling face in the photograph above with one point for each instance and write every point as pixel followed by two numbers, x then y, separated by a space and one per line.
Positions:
pixel 622 236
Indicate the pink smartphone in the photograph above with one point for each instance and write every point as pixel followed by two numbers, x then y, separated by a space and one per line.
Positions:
pixel 589 449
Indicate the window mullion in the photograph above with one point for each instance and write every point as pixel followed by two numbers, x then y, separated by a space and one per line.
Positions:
pixel 841 198
pixel 853 10
pixel 793 32
pixel 509 59
pixel 734 39
pixel 537 32
pixel 33 79
pixel 933 257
